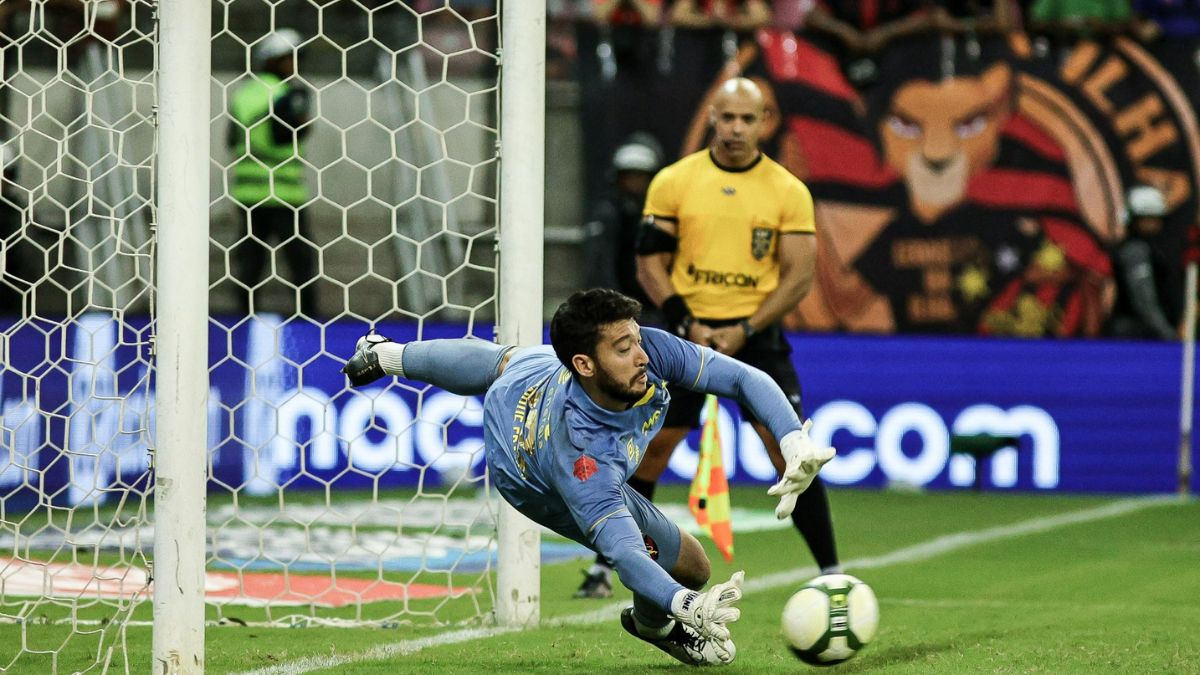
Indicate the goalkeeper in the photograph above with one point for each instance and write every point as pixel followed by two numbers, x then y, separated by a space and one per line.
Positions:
pixel 564 427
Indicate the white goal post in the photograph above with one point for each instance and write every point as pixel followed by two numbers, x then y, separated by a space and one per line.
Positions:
pixel 522 221
pixel 181 342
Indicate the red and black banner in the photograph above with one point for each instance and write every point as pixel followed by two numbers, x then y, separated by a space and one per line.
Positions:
pixel 978 186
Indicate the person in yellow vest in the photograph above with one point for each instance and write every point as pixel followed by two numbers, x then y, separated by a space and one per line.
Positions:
pixel 726 248
pixel 270 111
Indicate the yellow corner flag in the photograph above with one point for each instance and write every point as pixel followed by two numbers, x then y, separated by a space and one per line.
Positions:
pixel 708 499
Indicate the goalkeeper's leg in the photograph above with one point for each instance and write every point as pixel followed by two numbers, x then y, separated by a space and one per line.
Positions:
pixel 691 569
pixel 466 367
pixel 682 555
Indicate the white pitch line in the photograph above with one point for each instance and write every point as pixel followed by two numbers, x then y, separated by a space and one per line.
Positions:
pixel 1061 607
pixel 909 554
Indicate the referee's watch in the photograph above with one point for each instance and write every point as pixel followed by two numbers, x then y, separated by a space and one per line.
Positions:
pixel 745 324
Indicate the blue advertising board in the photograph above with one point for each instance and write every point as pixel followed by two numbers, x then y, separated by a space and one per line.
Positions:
pixel 77 406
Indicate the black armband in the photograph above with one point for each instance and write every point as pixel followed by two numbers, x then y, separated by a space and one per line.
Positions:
pixel 651 239
pixel 678 316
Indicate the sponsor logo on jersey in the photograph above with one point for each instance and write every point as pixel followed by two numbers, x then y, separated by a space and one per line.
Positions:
pixel 585 467
pixel 525 426
pixel 633 452
pixel 760 242
pixel 649 424
pixel 720 278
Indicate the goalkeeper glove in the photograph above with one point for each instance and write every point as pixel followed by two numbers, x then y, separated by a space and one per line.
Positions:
pixel 708 611
pixel 364 367
pixel 803 460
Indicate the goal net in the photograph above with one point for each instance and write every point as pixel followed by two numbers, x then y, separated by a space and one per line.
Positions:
pixel 76 123
pixel 354 184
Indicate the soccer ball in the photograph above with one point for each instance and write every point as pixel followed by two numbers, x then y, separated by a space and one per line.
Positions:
pixel 830 619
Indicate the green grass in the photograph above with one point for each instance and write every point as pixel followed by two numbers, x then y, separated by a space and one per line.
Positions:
pixel 1116 595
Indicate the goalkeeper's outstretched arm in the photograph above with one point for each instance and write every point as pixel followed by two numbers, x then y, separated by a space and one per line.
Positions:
pixel 466 367
pixel 704 370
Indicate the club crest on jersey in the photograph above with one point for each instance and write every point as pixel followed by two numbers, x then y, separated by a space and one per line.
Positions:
pixel 760 242
pixel 585 467
pixel 651 546
pixel 728 191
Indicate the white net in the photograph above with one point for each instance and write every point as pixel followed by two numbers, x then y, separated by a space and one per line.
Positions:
pixel 329 504
pixel 358 190
pixel 76 253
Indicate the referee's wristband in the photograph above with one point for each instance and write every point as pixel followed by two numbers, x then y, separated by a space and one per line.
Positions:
pixel 678 316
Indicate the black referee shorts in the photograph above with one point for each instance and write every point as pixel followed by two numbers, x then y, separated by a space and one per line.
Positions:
pixel 766 350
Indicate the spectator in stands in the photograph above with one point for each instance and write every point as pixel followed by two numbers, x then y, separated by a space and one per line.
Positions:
pixel 976 16
pixel 465 30
pixel 708 23
pixel 1143 306
pixel 628 12
pixel 1071 19
pixel 854 31
pixel 470 10
pixel 740 16
pixel 612 229
pixel 270 114
pixel 561 50
pixel 618 52
pixel 627 31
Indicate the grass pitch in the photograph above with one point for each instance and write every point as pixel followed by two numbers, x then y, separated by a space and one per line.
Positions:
pixel 990 582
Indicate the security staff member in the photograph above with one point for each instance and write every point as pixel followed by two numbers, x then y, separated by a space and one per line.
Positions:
pixel 615 219
pixel 270 112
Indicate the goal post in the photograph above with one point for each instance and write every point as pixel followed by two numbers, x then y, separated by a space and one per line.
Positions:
pixel 522 215
pixel 181 338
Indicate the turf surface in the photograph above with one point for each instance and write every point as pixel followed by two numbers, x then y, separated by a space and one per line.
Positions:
pixel 1116 593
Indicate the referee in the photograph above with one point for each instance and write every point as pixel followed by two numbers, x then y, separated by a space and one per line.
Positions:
pixel 727 247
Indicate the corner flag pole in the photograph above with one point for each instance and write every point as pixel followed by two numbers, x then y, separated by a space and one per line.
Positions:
pixel 1189 369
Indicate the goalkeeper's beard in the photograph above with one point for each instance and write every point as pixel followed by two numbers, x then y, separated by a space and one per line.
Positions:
pixel 626 393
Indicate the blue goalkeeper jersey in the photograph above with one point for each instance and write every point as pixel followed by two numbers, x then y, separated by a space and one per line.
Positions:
pixel 555 454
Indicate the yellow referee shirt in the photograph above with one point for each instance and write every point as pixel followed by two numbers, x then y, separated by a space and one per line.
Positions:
pixel 729 223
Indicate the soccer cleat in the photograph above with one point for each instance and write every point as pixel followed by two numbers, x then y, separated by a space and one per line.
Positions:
pixel 597 585
pixel 685 644
pixel 364 367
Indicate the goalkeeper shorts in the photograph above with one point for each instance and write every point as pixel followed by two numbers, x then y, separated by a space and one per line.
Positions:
pixel 659 533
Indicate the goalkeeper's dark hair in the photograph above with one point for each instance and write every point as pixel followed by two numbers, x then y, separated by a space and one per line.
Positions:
pixel 575 328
